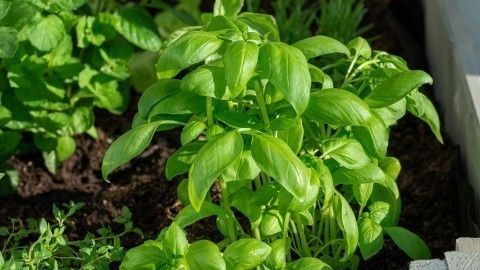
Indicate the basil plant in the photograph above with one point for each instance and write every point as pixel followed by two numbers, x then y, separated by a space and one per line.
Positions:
pixel 60 59
pixel 295 137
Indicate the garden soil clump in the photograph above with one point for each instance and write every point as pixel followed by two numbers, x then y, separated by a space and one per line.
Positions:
pixel 427 202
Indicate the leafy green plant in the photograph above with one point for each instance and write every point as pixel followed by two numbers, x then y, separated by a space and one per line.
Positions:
pixel 295 137
pixel 53 250
pixel 60 60
pixel 296 20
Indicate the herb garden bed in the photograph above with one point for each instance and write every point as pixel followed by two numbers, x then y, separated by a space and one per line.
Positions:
pixel 426 183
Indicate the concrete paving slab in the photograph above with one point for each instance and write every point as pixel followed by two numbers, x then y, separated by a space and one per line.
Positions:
pixel 462 260
pixel 435 264
pixel 467 244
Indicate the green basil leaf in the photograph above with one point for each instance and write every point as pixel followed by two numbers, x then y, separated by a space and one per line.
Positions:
pixel 47 33
pixel 308 264
pixel 147 256
pixel 373 136
pixel 240 61
pixel 191 48
pixel 138 27
pixel 370 239
pixel 212 159
pixel 320 45
pixel 392 113
pixel 420 106
pixel 239 120
pixel 180 161
pixel 156 93
pixel 246 253
pixel 297 205
pixel 175 241
pixel 229 8
pixel 8 41
pixel 348 224
pixel 208 81
pixel 409 242
pixel 391 166
pixel 270 223
pixel 129 145
pixel 397 87
pixel 370 173
pixel 362 193
pixel 263 24
pixel 278 257
pixel 320 77
pixel 385 194
pixel 191 131
pixel 361 47
pixel 378 211
pixel 338 107
pixel 188 215
pixel 293 136
pixel 180 103
pixel 348 152
pixel 287 69
pixel 274 157
pixel 242 168
pixel 204 255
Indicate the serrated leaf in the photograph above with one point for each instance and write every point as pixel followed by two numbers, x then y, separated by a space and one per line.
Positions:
pixel 47 33
pixel 8 42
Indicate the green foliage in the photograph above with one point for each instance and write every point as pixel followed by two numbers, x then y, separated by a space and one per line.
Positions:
pixel 298 19
pixel 294 136
pixel 40 244
pixel 59 60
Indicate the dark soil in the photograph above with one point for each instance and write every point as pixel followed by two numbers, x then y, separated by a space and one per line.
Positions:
pixel 425 182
